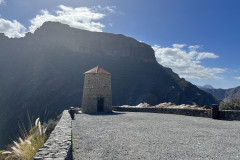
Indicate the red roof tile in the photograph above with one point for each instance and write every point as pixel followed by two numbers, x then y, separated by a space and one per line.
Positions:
pixel 97 69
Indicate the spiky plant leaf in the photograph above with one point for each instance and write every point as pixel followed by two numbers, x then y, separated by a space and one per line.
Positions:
pixel 28 142
pixel 39 128
pixel 20 140
pixel 36 122
pixel 6 152
pixel 17 145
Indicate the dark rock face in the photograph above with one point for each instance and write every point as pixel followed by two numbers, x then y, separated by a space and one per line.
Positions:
pixel 224 94
pixel 42 74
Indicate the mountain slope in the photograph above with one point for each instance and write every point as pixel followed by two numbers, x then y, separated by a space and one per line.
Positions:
pixel 207 86
pixel 42 73
pixel 224 94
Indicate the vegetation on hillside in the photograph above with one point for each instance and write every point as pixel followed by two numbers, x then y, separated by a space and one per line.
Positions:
pixel 26 147
pixel 230 105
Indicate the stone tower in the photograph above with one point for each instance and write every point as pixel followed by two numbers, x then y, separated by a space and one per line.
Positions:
pixel 97 92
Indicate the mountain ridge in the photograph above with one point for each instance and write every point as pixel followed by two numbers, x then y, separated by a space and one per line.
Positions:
pixel 43 73
pixel 224 94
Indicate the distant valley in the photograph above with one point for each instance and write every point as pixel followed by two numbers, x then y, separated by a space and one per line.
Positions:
pixel 222 94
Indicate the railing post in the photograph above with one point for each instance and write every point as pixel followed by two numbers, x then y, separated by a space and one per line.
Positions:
pixel 215 111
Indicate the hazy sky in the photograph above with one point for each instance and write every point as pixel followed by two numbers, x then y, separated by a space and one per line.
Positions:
pixel 198 39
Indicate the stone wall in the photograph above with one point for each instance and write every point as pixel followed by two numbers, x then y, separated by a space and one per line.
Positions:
pixel 223 114
pixel 180 111
pixel 229 115
pixel 59 144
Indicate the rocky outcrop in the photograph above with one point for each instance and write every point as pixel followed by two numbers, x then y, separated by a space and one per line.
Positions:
pixel 164 105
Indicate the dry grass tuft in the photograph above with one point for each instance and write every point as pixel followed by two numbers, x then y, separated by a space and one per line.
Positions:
pixel 26 148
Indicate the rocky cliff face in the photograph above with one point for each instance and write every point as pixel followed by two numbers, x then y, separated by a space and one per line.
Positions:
pixel 42 73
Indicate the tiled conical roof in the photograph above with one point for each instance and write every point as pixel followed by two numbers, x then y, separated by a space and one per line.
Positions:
pixel 97 69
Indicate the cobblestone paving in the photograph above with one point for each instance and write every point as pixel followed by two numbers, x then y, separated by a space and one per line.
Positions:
pixel 131 135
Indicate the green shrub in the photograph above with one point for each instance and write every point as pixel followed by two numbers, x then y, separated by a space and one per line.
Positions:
pixel 50 126
pixel 59 117
pixel 230 105
pixel 1 157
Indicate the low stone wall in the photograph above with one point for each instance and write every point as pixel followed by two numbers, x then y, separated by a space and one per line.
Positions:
pixel 223 114
pixel 180 111
pixel 59 144
pixel 229 115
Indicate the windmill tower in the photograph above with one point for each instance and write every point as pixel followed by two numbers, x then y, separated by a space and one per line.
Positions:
pixel 97 93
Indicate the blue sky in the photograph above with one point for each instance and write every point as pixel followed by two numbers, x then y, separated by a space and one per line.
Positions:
pixel 198 39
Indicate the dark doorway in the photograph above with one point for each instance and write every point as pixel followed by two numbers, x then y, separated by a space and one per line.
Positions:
pixel 100 104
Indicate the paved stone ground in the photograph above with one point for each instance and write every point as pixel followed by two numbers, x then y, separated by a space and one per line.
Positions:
pixel 133 135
